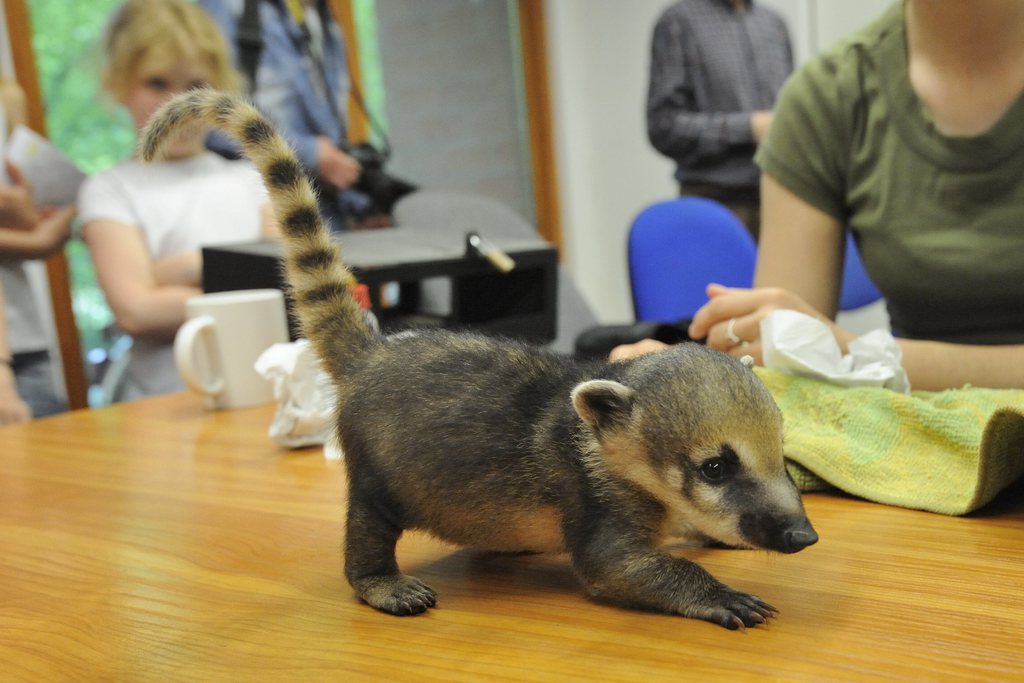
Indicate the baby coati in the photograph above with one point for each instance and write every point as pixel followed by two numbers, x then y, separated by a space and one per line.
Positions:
pixel 500 446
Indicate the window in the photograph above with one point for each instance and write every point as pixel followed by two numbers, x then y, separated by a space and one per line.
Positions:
pixel 88 128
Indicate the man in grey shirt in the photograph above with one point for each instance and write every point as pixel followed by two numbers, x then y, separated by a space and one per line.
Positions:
pixel 716 68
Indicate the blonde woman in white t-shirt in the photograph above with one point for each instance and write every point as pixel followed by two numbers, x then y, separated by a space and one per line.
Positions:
pixel 145 224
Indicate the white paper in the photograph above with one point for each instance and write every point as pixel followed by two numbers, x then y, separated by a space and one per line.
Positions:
pixel 801 345
pixel 54 178
pixel 304 394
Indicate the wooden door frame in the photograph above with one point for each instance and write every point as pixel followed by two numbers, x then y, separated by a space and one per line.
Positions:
pixel 19 32
pixel 358 126
pixel 534 46
pixel 533 43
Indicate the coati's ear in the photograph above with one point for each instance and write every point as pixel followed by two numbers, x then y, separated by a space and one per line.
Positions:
pixel 603 403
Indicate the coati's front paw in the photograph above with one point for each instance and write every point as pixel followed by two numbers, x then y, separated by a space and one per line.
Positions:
pixel 729 608
pixel 399 594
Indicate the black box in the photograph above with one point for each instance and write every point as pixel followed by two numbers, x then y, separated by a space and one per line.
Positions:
pixel 420 263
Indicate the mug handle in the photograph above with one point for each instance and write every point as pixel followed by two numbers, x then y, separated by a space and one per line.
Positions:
pixel 185 344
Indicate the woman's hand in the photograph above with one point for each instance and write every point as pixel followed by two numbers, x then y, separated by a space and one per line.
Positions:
pixel 731 320
pixel 16 208
pixel 54 228
pixel 335 166
pixel 142 304
pixel 185 269
pixel 12 408
pixel 51 231
pixel 625 351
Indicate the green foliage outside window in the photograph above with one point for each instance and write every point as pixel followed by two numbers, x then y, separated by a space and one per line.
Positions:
pixel 364 14
pixel 82 122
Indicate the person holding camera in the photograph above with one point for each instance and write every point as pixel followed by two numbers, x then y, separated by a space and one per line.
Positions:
pixel 293 53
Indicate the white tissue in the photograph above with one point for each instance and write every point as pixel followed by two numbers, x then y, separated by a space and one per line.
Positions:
pixel 305 397
pixel 801 345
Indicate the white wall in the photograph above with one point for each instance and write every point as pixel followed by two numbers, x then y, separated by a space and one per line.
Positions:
pixel 607 170
pixel 599 52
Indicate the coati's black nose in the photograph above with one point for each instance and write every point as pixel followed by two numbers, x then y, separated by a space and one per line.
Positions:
pixel 796 539
pixel 788 534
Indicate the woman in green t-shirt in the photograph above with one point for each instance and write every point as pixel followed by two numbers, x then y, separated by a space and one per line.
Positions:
pixel 911 134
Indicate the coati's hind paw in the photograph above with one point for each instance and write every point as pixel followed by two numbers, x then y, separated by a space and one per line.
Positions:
pixel 399 594
pixel 730 608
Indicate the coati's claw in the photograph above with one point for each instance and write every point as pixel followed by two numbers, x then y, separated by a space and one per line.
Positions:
pixel 732 609
pixel 400 595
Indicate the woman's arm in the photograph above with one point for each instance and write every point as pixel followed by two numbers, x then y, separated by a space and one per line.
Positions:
pixel 800 248
pixel 934 366
pixel 186 268
pixel 141 305
pixel 16 208
pixel 799 255
pixel 47 236
pixel 798 268
pixel 12 408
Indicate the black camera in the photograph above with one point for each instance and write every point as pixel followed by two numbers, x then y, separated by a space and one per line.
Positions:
pixel 383 189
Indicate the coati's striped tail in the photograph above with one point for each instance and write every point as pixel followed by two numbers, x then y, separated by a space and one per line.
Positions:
pixel 320 283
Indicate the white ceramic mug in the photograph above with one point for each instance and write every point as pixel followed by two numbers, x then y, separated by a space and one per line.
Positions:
pixel 218 345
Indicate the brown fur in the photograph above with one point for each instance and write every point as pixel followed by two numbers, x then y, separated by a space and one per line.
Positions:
pixel 501 446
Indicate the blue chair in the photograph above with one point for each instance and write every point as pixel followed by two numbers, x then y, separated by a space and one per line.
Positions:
pixel 678 246
pixel 858 289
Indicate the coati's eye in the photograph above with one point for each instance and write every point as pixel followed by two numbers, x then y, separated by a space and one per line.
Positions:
pixel 720 468
pixel 714 470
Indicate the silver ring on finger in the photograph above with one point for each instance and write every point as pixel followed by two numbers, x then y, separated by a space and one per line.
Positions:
pixel 730 332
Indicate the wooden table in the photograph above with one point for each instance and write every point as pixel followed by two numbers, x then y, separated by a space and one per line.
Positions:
pixel 155 541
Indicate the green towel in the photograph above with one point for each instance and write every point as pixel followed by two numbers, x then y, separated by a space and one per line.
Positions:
pixel 948 452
